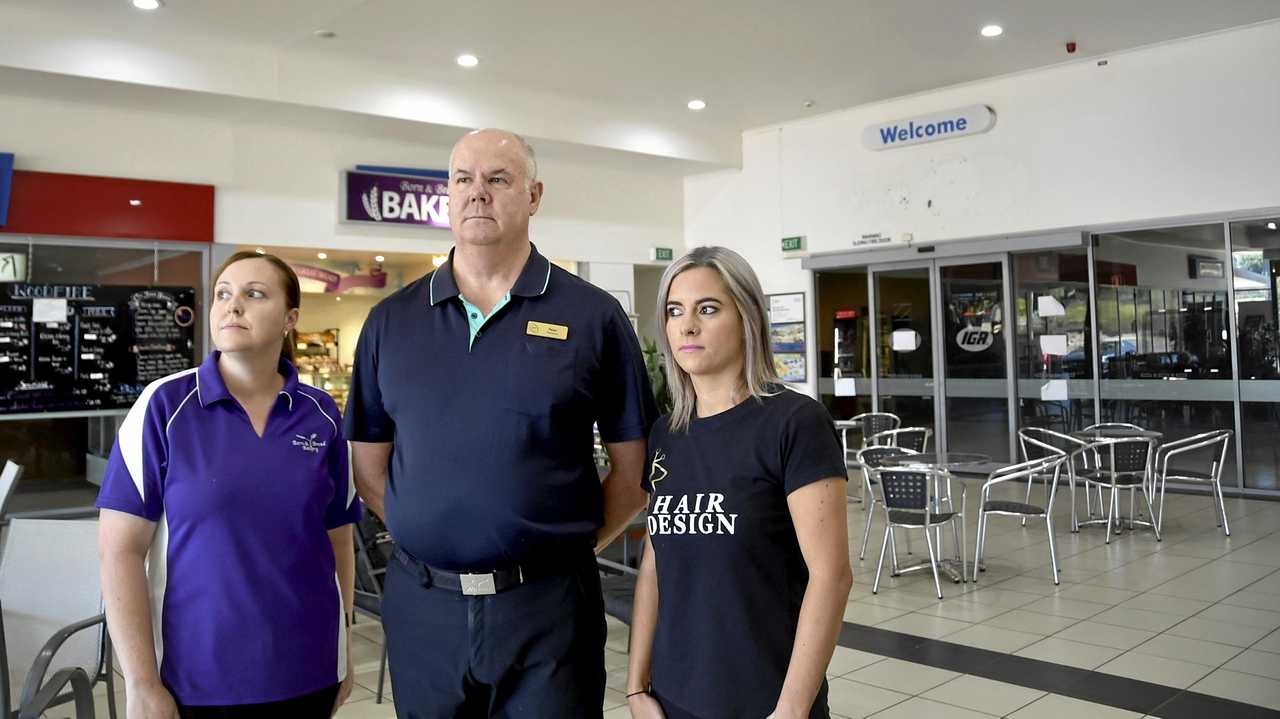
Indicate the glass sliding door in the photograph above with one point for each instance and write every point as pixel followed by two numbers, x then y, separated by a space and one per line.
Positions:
pixel 1255 271
pixel 844 342
pixel 1164 332
pixel 975 358
pixel 904 344
pixel 1053 348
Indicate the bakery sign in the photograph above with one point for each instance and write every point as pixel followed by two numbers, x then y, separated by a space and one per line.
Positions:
pixel 396 199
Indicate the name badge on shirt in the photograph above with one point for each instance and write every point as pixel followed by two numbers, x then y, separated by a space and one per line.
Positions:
pixel 548 330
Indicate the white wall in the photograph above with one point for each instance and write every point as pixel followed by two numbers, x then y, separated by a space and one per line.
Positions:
pixel 1185 128
pixel 278 180
pixel 614 277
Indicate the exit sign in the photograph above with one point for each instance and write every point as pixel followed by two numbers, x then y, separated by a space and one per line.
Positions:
pixel 661 254
pixel 793 244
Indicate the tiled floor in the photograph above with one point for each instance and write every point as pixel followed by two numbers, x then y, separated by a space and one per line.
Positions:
pixel 1198 611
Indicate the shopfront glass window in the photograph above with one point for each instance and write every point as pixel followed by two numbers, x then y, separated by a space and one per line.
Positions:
pixel 1053 339
pixel 1255 265
pixel 974 358
pixel 904 345
pixel 1164 331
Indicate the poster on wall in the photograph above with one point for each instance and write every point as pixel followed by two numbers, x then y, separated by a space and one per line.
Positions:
pixel 788 337
pixel 786 308
pixel 790 367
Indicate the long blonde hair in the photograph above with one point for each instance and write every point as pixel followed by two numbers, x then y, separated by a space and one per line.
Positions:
pixel 759 374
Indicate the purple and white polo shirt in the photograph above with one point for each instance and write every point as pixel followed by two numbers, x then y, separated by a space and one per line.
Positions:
pixel 245 601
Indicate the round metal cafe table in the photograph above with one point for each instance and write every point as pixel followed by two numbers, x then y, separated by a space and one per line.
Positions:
pixel 1105 433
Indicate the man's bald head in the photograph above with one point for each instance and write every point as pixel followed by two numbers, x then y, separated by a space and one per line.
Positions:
pixel 503 139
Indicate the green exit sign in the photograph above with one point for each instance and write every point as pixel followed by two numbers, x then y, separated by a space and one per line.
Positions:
pixel 793 244
pixel 662 254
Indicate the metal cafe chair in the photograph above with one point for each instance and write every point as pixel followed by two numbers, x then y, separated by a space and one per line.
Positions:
pixel 1128 466
pixel 915 439
pixel 1049 466
pixel 1103 425
pixel 910 502
pixel 867 424
pixel 1041 443
pixel 1220 439
pixel 54 644
pixel 871 459
pixel 872 423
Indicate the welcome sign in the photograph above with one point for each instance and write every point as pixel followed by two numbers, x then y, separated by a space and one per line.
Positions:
pixel 972 120
pixel 396 199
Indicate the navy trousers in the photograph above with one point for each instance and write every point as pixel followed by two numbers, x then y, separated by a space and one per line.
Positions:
pixel 536 650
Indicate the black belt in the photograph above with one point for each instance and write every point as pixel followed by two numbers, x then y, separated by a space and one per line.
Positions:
pixel 479 583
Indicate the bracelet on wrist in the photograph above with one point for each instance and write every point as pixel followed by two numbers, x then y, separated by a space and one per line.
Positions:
pixel 642 691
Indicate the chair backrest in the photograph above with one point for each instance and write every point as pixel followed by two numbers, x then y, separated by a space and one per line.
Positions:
pixel 915 439
pixel 874 423
pixel 49 578
pixel 1038 443
pixel 1218 440
pixel 1128 455
pixel 1049 467
pixel 372 553
pixel 8 480
pixel 906 488
pixel 874 457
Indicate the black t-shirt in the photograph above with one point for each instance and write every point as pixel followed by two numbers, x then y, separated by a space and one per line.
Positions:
pixel 731 577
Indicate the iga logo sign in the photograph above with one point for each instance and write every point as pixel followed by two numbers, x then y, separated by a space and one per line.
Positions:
pixel 975 339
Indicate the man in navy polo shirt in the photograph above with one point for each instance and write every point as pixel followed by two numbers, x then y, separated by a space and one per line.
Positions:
pixel 470 415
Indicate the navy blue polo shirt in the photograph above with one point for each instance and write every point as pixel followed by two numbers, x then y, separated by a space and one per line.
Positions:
pixel 245 604
pixel 492 461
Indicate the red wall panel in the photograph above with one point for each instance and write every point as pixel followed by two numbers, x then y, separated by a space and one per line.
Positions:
pixel 47 203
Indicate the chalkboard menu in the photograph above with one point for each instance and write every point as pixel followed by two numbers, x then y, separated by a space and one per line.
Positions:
pixel 90 347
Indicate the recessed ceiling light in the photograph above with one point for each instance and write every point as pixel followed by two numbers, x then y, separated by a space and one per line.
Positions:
pixel 697 104
pixel 468 60
pixel 135 203
pixel 322 255
pixel 379 258
pixel 992 31
pixel 1271 225
pixel 147 4
pixel 260 251
pixel 325 34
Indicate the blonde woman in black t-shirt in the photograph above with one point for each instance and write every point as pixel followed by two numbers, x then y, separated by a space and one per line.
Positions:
pixel 743 588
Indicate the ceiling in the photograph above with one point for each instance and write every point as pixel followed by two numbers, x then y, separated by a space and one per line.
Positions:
pixel 613 75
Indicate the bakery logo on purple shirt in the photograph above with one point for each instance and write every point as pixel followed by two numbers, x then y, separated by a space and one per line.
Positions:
pixel 309 444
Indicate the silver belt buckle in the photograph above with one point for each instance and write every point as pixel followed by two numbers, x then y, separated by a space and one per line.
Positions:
pixel 474 585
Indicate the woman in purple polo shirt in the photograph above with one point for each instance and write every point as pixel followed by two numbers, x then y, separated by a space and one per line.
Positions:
pixel 225 533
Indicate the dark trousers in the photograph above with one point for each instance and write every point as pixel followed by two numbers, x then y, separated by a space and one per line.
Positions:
pixel 316 705
pixel 536 650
